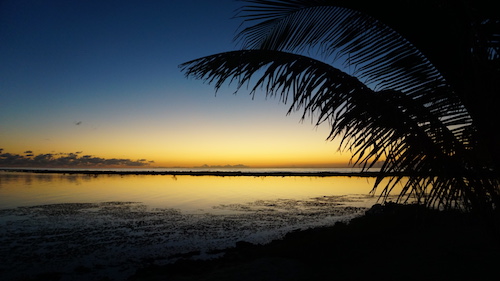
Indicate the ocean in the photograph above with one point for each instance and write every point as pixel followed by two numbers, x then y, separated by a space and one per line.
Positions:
pixel 92 226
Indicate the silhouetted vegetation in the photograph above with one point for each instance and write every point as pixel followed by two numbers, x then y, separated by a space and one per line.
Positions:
pixel 420 95
pixel 65 160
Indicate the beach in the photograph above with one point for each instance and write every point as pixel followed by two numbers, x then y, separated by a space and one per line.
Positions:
pixel 389 242
pixel 71 232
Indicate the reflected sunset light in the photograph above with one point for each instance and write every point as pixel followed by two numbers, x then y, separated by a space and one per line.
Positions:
pixel 187 193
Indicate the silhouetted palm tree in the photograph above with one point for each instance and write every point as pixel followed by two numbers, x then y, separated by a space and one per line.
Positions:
pixel 420 96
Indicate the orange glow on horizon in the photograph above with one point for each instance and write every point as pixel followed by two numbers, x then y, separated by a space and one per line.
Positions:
pixel 264 148
pixel 189 159
pixel 275 141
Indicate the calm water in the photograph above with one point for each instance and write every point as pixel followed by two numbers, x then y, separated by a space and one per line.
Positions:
pixel 187 193
pixel 87 227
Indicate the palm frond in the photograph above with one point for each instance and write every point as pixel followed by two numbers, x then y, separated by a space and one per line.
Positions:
pixel 404 113
pixel 382 57
pixel 385 125
pixel 309 83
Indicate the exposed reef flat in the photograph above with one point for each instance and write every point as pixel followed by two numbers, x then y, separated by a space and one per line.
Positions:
pixel 111 240
pixel 390 242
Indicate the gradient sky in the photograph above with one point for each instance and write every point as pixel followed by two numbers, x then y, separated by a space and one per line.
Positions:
pixel 102 77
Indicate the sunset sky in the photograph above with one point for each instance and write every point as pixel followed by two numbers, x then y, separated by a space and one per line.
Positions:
pixel 101 78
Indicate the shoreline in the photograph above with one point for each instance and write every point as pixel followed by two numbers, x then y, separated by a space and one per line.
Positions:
pixel 389 234
pixel 203 173
pixel 402 237
pixel 389 240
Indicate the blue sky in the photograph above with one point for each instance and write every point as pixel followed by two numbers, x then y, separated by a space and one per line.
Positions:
pixel 102 77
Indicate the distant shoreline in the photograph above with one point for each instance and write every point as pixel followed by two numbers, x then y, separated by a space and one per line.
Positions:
pixel 201 173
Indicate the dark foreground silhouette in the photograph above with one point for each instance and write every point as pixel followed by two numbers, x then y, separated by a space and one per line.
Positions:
pixel 391 242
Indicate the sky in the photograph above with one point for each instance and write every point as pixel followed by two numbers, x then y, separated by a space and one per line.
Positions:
pixel 100 80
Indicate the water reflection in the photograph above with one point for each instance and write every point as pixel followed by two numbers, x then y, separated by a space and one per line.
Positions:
pixel 26 179
pixel 56 222
pixel 187 193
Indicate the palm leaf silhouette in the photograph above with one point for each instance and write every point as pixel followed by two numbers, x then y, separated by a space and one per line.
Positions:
pixel 396 107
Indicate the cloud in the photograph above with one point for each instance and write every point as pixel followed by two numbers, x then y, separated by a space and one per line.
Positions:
pixel 69 160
